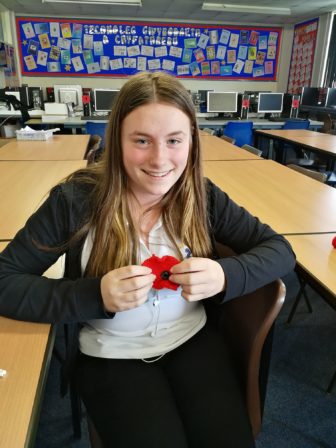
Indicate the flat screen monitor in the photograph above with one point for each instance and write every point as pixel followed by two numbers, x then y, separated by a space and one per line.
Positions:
pixel 254 94
pixel 331 97
pixel 270 103
pixel 69 93
pixel 104 99
pixel 313 96
pixel 222 102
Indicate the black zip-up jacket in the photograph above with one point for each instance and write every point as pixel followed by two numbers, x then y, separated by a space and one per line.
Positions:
pixel 262 256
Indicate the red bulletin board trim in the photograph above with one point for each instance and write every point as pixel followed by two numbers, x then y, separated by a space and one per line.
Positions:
pixel 263 78
pixel 306 82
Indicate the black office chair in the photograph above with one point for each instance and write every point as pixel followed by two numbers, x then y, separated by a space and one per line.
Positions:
pixel 228 139
pixel 209 131
pixel 252 150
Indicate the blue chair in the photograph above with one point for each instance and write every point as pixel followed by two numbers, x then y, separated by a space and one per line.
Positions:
pixel 296 123
pixel 241 131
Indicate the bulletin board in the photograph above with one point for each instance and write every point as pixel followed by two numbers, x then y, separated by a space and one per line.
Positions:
pixel 302 60
pixel 59 47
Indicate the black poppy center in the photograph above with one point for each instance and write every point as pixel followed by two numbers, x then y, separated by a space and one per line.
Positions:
pixel 165 275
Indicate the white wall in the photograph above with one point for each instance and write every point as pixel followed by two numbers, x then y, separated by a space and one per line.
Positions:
pixel 321 49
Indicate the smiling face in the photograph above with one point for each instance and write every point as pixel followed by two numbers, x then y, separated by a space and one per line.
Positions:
pixel 155 139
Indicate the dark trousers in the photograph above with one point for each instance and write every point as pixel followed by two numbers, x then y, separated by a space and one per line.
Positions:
pixel 189 398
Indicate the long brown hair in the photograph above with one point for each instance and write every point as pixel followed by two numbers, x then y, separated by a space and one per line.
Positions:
pixel 183 208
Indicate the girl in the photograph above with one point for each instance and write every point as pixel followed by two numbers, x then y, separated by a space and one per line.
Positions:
pixel 152 370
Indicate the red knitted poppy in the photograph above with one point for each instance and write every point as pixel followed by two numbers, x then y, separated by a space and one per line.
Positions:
pixel 161 269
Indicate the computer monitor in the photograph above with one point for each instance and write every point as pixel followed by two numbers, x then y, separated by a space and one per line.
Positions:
pixel 313 97
pixel 270 103
pixel 103 99
pixel 331 98
pixel 222 102
pixel 69 93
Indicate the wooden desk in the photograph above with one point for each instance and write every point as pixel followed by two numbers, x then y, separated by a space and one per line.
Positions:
pixel 288 201
pixel 58 147
pixel 310 140
pixel 215 148
pixel 25 352
pixel 316 255
pixel 24 185
pixel 258 123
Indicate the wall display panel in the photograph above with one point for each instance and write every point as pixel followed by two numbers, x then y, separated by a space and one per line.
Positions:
pixel 302 60
pixel 8 64
pixel 59 47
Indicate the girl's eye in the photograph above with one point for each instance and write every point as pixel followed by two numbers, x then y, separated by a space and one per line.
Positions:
pixel 142 141
pixel 173 141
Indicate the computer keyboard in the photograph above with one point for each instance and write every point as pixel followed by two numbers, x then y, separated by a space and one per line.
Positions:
pixel 277 119
pixel 222 118
pixel 94 117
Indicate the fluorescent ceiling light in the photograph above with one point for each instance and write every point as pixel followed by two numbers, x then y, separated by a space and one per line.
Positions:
pixel 99 2
pixel 225 7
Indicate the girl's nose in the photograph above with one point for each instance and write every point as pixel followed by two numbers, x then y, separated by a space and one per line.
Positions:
pixel 158 154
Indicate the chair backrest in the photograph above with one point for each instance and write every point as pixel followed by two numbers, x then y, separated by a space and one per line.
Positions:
pixel 327 122
pixel 209 131
pixel 228 139
pixel 96 142
pixel 321 177
pixel 248 328
pixel 93 148
pixel 248 323
pixel 92 128
pixel 252 149
pixel 241 131
pixel 296 123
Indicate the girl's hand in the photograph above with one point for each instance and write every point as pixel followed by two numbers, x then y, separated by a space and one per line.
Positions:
pixel 199 277
pixel 126 288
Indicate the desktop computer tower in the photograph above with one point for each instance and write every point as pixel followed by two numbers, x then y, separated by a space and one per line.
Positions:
pixel 86 98
pixel 24 95
pixel 50 94
pixel 244 106
pixel 294 112
pixel 36 100
pixel 291 104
